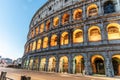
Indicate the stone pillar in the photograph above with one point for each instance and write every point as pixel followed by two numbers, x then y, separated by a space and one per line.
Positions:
pixel 108 65
pixel 60 20
pixel 87 63
pixel 103 33
pixel 57 64
pixel 70 34
pixel 70 64
pixel 71 16
pixel 51 23
pixel 33 63
pixel 44 26
pixel 85 35
pixel 39 63
pixel 84 11
pixel 49 40
pixel 100 11
pixel 58 39
pixel 47 62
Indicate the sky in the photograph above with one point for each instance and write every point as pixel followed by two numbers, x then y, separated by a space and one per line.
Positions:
pixel 15 17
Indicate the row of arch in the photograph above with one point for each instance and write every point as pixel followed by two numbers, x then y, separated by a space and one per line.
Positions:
pixel 94 34
pixel 98 64
pixel 92 10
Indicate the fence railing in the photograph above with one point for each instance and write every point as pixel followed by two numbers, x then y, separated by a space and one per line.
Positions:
pixel 3 77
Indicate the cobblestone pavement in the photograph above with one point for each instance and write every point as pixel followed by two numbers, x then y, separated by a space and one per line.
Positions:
pixel 37 75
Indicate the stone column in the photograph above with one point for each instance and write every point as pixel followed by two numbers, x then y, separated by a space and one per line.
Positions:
pixel 71 16
pixel 60 20
pixel 44 26
pixel 47 62
pixel 100 11
pixel 58 39
pixel 49 40
pixel 57 64
pixel 108 65
pixel 84 11
pixel 85 35
pixel 39 64
pixel 70 64
pixel 70 34
pixel 103 33
pixel 87 63
pixel 51 23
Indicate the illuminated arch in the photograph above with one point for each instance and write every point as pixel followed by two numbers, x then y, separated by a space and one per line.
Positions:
pixel 45 42
pixel 116 64
pixel 52 64
pixel 53 40
pixel 94 33
pixel 64 38
pixel 36 30
pixel 78 64
pixel 41 28
pixel 78 36
pixel 92 10
pixel 30 63
pixel 31 45
pixel 65 18
pixel 48 25
pixel 34 46
pixel 63 64
pixel 43 64
pixel 113 31
pixel 39 44
pixel 77 14
pixel 32 33
pixel 98 64
pixel 55 21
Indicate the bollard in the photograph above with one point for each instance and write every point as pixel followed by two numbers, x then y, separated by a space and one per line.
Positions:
pixel 3 75
pixel 25 78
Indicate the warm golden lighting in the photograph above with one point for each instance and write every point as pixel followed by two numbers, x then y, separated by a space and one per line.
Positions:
pixel 53 40
pixel 63 64
pixel 65 18
pixel 92 10
pixel 32 33
pixel 52 64
pixel 45 42
pixel 77 36
pixel 42 64
pixel 41 28
pixel 39 44
pixel 34 46
pixel 47 25
pixel 31 46
pixel 55 21
pixel 64 38
pixel 113 31
pixel 94 33
pixel 77 14
pixel 37 30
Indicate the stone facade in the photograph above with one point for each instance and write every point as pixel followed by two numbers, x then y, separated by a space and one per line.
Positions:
pixel 75 35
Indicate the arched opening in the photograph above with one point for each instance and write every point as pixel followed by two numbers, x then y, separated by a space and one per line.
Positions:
pixel 36 30
pixel 92 10
pixel 31 45
pixel 52 64
pixel 98 65
pixel 65 18
pixel 48 25
pixel 31 63
pixel 39 44
pixel 41 28
pixel 55 21
pixel 53 40
pixel 32 33
pixel 94 33
pixel 113 31
pixel 43 64
pixel 78 64
pixel 109 7
pixel 63 64
pixel 77 15
pixel 34 46
pixel 78 36
pixel 35 62
pixel 64 38
pixel 116 64
pixel 45 42
pixel 27 49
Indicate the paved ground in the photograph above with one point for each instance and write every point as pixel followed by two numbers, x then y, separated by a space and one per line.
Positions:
pixel 37 75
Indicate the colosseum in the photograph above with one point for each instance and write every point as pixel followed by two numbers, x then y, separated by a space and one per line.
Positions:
pixel 72 36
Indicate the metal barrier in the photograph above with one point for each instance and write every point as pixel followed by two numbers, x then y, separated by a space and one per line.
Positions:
pixel 25 78
pixel 3 77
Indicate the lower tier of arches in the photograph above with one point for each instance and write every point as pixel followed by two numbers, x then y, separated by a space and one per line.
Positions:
pixel 104 63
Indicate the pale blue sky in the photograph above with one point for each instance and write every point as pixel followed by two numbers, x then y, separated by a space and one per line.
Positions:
pixel 15 17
